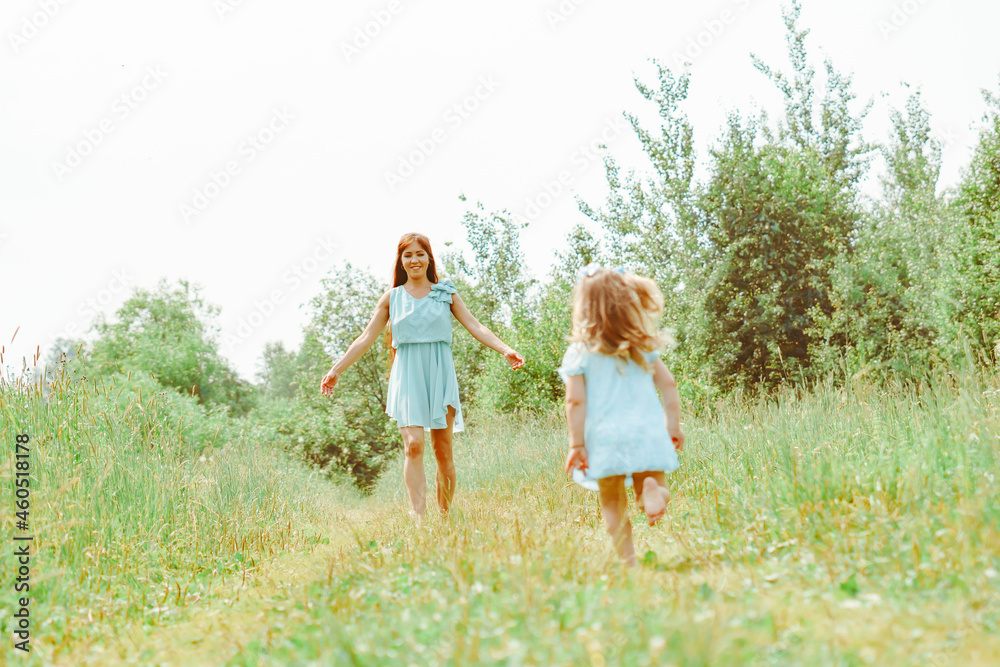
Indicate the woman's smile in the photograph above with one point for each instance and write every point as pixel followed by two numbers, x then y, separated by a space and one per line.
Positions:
pixel 415 259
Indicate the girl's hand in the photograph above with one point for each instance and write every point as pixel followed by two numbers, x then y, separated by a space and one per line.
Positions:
pixel 678 440
pixel 576 459
pixel 513 358
pixel 328 382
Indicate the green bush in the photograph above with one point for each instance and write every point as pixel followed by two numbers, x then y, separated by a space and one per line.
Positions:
pixel 347 434
pixel 978 205
pixel 541 338
pixel 168 333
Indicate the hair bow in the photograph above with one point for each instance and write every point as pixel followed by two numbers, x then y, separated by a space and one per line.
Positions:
pixel 591 269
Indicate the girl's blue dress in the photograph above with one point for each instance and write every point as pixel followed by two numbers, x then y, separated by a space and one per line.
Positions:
pixel 625 430
pixel 422 382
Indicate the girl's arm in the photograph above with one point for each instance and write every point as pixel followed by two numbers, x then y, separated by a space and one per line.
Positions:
pixel 482 334
pixel 576 413
pixel 665 382
pixel 377 324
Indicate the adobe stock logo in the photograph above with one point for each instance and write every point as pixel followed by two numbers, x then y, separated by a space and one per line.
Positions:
pixel 562 12
pixel 31 25
pixel 585 155
pixel 220 179
pixel 700 42
pixel 224 7
pixel 264 307
pixel 899 16
pixel 368 32
pixel 454 117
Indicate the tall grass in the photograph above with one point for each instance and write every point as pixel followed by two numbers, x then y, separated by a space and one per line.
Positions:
pixel 850 525
pixel 130 521
pixel 854 524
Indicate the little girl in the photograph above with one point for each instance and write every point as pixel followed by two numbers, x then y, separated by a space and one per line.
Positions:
pixel 619 432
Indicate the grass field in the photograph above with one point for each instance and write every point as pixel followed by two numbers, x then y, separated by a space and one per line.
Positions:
pixel 853 525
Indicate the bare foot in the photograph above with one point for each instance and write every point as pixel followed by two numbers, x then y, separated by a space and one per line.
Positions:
pixel 654 500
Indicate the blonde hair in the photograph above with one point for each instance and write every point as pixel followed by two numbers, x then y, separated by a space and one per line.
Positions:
pixel 618 315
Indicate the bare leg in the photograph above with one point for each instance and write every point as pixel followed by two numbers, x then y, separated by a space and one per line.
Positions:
pixel 651 494
pixel 441 441
pixel 614 507
pixel 413 467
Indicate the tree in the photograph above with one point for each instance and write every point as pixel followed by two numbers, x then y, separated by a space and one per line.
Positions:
pixel 913 161
pixel 775 224
pixel 541 333
pixel 581 249
pixel 494 286
pixel 978 204
pixel 745 259
pixel 652 223
pixel 891 287
pixel 496 271
pixel 168 333
pixel 278 370
pixel 829 129
pixel 348 433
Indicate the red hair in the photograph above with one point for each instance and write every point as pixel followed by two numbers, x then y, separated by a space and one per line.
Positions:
pixel 399 275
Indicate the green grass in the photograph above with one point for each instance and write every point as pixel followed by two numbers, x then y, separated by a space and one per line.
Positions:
pixel 131 523
pixel 852 525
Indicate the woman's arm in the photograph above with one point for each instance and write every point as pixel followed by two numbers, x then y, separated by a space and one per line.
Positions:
pixel 482 334
pixel 377 324
pixel 665 382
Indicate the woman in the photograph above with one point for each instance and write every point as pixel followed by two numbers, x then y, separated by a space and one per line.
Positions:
pixel 423 389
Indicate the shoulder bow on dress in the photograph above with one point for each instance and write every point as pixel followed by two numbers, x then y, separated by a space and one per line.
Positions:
pixel 442 291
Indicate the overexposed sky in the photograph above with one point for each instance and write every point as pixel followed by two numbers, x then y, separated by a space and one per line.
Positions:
pixel 250 145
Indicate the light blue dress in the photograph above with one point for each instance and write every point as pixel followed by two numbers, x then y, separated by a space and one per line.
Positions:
pixel 422 382
pixel 625 430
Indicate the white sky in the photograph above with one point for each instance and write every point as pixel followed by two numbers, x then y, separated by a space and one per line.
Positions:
pixel 174 91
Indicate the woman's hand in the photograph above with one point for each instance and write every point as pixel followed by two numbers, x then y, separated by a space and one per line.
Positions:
pixel 482 334
pixel 329 381
pixel 360 345
pixel 576 459
pixel 513 358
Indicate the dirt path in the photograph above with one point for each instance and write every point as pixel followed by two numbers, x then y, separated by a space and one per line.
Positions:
pixel 235 615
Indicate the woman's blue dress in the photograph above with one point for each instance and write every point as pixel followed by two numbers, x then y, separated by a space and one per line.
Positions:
pixel 422 382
